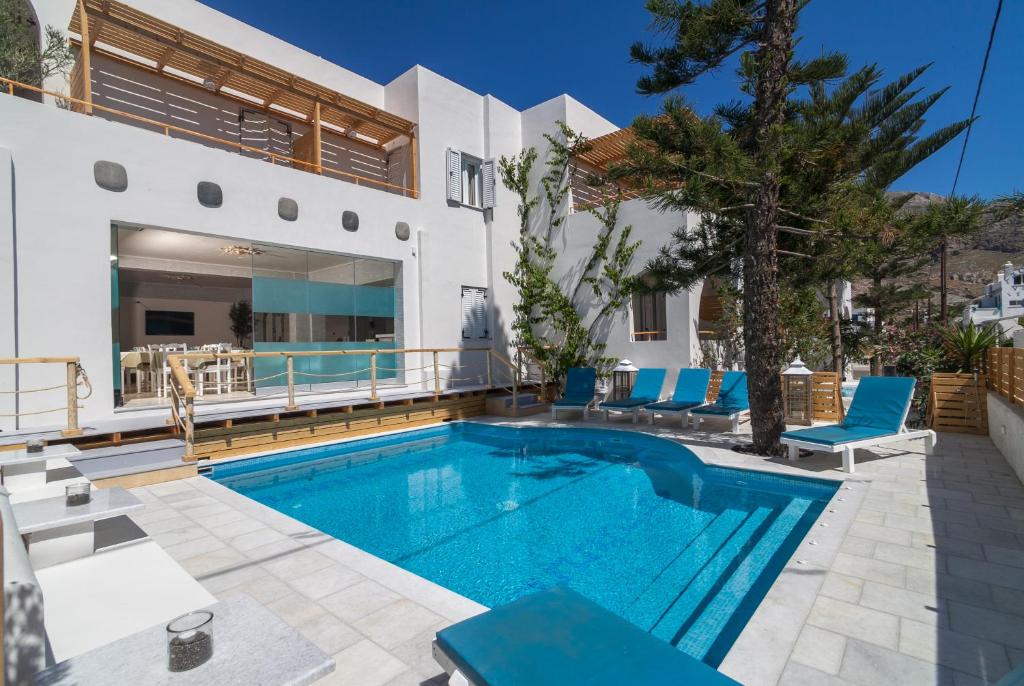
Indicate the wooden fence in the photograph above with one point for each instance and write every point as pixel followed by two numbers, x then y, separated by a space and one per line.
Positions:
pixel 1004 368
pixel 826 395
pixel 956 403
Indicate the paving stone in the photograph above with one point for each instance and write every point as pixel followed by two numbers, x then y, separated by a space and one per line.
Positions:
pixel 359 600
pixel 196 546
pixel 988 624
pixel 329 633
pixel 991 573
pixel 925 558
pixel 855 621
pixel 1005 556
pixel 1008 600
pixel 918 524
pixel 417 653
pixel 880 533
pixel 296 609
pixel 296 563
pixel 948 546
pixel 871 665
pixel 326 581
pixel 898 601
pixel 855 545
pixel 842 587
pixel 797 674
pixel 874 570
pixel 266 589
pixel 256 538
pixel 955 650
pixel 396 622
pixel 983 535
pixel 364 664
pixel 820 649
pixel 947 586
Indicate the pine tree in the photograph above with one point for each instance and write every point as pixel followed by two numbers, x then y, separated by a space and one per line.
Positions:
pixel 764 172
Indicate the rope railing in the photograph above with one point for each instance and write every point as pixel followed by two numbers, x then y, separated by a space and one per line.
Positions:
pixel 274 158
pixel 183 390
pixel 75 377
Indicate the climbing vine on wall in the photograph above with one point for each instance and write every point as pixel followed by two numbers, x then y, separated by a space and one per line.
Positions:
pixel 559 323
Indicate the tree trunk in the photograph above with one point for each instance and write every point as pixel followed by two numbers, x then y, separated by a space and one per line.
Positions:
pixel 943 284
pixel 835 313
pixel 760 260
pixel 876 359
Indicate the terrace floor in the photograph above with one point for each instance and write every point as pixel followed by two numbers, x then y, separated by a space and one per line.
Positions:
pixel 914 574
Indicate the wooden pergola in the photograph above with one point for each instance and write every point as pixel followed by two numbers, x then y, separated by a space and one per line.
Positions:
pixel 124 33
pixel 608 149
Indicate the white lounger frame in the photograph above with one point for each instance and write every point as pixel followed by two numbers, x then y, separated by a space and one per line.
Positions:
pixel 734 418
pixel 635 411
pixel 847 449
pixel 684 415
pixel 574 408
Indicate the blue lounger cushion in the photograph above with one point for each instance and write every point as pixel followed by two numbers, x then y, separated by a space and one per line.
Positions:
pixel 579 387
pixel 646 389
pixel 559 637
pixel 732 397
pixel 836 434
pixel 878 409
pixel 672 406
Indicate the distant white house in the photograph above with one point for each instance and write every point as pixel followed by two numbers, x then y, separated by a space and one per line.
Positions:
pixel 1002 301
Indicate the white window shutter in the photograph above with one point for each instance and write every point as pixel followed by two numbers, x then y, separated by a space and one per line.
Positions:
pixel 487 180
pixel 474 312
pixel 454 175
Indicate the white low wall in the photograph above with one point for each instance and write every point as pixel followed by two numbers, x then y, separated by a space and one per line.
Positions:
pixel 1006 427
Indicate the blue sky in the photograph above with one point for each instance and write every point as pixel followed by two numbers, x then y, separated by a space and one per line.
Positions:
pixel 528 51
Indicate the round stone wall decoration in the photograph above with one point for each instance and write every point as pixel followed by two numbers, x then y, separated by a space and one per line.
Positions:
pixel 287 209
pixel 209 194
pixel 110 176
pixel 402 231
pixel 350 220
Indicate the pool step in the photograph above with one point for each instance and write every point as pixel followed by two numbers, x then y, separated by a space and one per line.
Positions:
pixel 646 610
pixel 705 629
pixel 529 403
pixel 671 626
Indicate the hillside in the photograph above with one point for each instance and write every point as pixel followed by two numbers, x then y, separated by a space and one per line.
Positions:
pixel 972 264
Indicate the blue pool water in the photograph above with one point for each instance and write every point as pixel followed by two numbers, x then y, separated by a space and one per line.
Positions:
pixel 634 522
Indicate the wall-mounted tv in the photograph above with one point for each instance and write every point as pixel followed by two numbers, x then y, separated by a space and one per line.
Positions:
pixel 169 323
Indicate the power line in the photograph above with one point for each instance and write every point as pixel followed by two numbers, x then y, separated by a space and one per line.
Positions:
pixel 977 94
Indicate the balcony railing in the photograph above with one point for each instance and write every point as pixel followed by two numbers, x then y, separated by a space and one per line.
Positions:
pixel 76 104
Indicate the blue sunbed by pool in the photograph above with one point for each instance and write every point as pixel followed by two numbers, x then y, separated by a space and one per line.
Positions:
pixel 558 637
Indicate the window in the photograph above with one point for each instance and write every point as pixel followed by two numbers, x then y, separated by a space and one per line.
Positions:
pixel 470 180
pixel 649 317
pixel 474 313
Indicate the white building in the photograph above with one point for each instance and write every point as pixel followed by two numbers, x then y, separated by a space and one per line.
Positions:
pixel 1002 301
pixel 220 164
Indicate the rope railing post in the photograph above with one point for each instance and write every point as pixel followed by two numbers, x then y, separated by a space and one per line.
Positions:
pixel 290 362
pixel 437 377
pixel 72 381
pixel 190 428
pixel 373 376
pixel 490 382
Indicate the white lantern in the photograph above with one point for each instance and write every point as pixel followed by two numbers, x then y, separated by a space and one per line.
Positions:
pixel 797 393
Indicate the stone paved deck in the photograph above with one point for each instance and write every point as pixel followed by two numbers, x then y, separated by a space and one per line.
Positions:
pixel 915 574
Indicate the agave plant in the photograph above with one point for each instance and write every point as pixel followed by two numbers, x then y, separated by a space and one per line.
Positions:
pixel 966 344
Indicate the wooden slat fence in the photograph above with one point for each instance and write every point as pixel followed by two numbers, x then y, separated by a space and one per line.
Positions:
pixel 827 397
pixel 1004 368
pixel 957 404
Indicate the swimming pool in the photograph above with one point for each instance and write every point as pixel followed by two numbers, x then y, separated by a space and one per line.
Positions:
pixel 634 522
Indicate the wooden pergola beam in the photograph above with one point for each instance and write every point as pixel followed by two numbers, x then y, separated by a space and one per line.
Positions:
pixel 243 69
pixel 83 55
pixel 317 140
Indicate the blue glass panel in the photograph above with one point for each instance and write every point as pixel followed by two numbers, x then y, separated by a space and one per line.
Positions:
pixel 314 370
pixel 317 297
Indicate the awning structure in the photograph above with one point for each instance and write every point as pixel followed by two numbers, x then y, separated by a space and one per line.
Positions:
pixel 608 149
pixel 153 44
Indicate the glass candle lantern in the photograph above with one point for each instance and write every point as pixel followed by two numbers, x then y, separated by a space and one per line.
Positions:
pixel 34 445
pixel 77 494
pixel 189 640
pixel 798 393
pixel 622 379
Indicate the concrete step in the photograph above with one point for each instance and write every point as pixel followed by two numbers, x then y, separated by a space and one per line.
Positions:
pixel 133 458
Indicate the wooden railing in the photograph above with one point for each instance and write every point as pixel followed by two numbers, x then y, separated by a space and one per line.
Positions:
pixel 86 107
pixel 183 391
pixel 1004 368
pixel 74 373
pixel 956 403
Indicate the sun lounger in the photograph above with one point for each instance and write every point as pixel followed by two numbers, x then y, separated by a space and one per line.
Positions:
pixel 876 416
pixel 560 637
pixel 691 391
pixel 579 392
pixel 646 390
pixel 732 401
